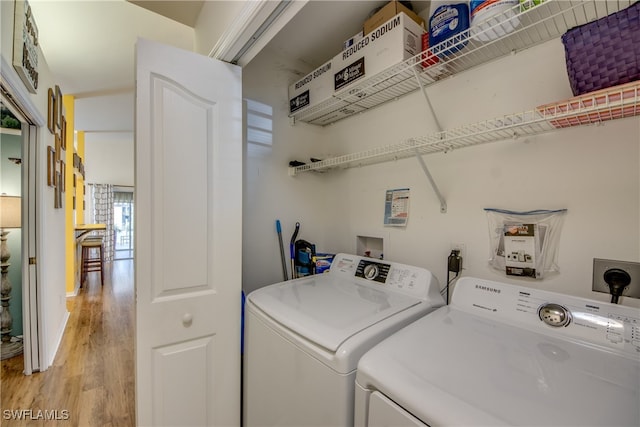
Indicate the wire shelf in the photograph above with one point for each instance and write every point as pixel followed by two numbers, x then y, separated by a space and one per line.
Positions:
pixel 607 104
pixel 534 24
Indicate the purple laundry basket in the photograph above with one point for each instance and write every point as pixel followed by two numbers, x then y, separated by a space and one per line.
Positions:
pixel 605 52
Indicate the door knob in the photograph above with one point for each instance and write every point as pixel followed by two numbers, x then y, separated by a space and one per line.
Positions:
pixel 187 320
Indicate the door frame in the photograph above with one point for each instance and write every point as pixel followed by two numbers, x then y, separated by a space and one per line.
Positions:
pixel 15 93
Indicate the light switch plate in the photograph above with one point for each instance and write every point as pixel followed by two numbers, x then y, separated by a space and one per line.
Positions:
pixel 600 266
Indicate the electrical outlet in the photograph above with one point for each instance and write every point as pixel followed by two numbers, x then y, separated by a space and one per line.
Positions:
pixel 600 266
pixel 460 247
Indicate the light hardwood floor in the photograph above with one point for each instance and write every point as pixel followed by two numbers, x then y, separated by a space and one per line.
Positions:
pixel 92 377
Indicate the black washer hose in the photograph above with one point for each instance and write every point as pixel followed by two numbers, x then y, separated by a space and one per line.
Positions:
pixel 617 279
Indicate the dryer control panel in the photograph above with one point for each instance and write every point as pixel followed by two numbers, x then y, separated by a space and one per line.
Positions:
pixel 610 325
pixel 410 280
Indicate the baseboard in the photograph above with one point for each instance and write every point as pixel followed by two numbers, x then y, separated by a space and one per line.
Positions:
pixel 58 341
pixel 75 291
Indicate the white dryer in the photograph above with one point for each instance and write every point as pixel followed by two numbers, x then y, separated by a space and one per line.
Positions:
pixel 304 337
pixel 503 354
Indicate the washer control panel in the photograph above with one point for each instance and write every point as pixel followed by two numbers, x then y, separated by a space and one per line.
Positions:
pixel 410 280
pixel 610 325
pixel 372 270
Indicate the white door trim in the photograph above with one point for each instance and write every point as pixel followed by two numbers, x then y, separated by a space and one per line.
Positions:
pixel 15 92
pixel 256 24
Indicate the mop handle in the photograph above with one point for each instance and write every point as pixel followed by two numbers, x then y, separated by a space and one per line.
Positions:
pixel 282 258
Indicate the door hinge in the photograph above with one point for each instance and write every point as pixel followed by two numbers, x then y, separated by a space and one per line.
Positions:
pixel 32 260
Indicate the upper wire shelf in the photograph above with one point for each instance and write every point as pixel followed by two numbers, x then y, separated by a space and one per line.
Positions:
pixel 534 24
pixel 607 104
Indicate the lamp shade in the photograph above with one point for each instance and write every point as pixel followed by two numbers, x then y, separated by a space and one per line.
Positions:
pixel 10 211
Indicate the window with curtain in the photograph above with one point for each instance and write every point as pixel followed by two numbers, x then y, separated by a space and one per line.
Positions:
pixel 123 223
pixel 103 214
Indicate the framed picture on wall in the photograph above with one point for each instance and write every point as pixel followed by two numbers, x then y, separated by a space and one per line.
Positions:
pixel 51 166
pixel 63 179
pixel 57 196
pixel 58 148
pixel 59 107
pixel 63 134
pixel 51 111
pixel 60 190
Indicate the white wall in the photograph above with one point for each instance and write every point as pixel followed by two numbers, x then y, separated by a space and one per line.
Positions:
pixel 269 193
pixel 51 222
pixel 109 161
pixel 592 171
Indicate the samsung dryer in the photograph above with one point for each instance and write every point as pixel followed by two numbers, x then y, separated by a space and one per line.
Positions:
pixel 304 337
pixel 503 354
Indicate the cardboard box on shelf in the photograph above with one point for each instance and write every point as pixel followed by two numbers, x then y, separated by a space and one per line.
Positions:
pixel 387 12
pixel 314 88
pixel 427 55
pixel 353 40
pixel 394 41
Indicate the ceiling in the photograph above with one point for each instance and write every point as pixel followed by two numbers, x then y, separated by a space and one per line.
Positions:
pixel 186 12
pixel 89 47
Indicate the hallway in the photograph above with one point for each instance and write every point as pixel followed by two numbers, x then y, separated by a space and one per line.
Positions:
pixel 91 381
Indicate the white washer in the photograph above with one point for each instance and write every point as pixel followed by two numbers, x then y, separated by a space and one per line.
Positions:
pixel 303 338
pixel 490 358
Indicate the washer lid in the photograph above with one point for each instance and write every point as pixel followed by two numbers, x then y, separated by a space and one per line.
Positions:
pixel 327 310
pixel 454 368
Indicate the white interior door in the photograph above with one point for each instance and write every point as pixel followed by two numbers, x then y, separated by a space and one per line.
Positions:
pixel 188 196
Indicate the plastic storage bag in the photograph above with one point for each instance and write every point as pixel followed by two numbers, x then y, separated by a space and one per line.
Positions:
pixel 525 243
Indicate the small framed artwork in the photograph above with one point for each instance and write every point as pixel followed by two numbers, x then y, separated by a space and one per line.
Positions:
pixel 51 111
pixel 63 179
pixel 51 166
pixel 63 134
pixel 76 160
pixel 57 194
pixel 58 148
pixel 59 107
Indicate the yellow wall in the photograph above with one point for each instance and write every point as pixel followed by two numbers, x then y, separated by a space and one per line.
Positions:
pixel 70 240
pixel 80 219
pixel 78 191
pixel 74 187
